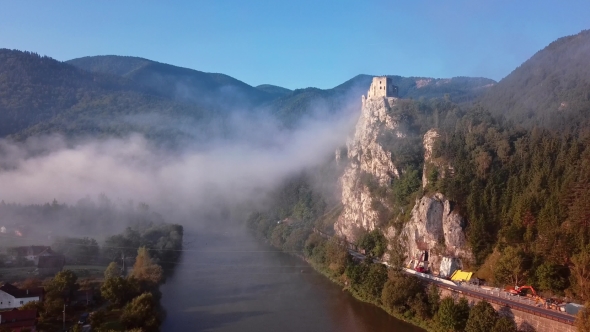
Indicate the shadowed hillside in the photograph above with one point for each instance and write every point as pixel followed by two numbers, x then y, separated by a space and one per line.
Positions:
pixel 181 84
pixel 554 80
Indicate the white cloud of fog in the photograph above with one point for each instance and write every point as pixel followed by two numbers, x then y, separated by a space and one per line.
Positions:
pixel 238 169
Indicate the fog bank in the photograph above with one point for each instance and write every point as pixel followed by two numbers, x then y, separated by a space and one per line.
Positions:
pixel 196 177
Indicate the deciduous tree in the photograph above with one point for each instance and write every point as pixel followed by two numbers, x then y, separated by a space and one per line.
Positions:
pixel 451 316
pixel 145 270
pixel 510 267
pixel 504 324
pixel 581 273
pixel 142 313
pixel 482 318
pixel 118 290
pixel 583 319
pixel 112 271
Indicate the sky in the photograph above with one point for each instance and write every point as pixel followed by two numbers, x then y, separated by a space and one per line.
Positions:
pixel 303 43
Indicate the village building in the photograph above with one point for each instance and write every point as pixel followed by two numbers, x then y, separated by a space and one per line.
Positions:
pixel 49 265
pixel 13 297
pixel 32 253
pixel 18 320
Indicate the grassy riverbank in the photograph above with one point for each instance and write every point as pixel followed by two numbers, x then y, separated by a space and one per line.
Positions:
pixel 426 325
pixel 402 296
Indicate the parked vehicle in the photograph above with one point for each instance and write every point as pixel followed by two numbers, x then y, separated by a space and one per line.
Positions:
pixel 83 319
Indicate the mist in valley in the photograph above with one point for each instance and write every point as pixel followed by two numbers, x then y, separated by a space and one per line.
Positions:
pixel 200 181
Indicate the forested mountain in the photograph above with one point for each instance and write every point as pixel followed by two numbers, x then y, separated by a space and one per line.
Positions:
pixel 523 190
pixel 275 91
pixel 209 90
pixel 39 95
pixel 556 80
pixel 34 89
pixel 116 95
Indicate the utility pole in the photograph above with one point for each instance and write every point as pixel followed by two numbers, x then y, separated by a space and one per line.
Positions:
pixel 123 270
pixel 64 319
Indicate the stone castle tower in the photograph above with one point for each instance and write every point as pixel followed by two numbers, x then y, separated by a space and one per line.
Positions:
pixel 382 86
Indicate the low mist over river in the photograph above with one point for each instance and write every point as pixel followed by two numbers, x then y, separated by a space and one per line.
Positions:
pixel 229 281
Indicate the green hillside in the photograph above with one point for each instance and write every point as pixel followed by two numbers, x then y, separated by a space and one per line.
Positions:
pixel 275 91
pixel 104 95
pixel 523 189
pixel 556 80
pixel 177 83
pixel 39 95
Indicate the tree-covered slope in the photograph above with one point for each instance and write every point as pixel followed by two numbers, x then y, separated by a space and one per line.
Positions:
pixel 554 80
pixel 39 95
pixel 274 90
pixel 34 89
pixel 524 191
pixel 98 95
pixel 177 83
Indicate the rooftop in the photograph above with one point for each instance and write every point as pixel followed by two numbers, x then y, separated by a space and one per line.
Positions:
pixel 21 293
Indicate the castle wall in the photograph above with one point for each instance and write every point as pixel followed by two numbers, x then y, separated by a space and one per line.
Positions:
pixel 382 87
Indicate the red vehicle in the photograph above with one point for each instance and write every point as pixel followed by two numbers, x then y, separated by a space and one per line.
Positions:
pixel 422 264
pixel 521 290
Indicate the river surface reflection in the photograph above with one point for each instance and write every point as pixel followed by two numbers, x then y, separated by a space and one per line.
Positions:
pixel 229 281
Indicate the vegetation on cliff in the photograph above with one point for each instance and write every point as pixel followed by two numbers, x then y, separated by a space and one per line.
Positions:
pixel 523 188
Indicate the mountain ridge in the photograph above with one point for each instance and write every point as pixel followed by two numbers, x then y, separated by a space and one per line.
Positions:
pixel 41 95
pixel 555 79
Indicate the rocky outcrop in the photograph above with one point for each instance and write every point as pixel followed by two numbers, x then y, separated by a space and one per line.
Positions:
pixel 367 159
pixel 437 228
pixel 434 226
pixel 429 139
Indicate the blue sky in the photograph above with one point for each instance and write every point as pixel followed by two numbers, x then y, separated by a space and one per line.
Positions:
pixel 300 43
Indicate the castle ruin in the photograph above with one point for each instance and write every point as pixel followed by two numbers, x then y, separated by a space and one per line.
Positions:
pixel 382 86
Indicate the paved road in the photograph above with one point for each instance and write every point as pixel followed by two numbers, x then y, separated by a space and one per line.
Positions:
pixel 497 297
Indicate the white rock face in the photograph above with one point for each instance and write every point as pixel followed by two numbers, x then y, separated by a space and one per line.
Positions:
pixel 435 227
pixel 366 155
pixel 429 139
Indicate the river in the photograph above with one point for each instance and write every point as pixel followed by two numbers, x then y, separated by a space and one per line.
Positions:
pixel 229 281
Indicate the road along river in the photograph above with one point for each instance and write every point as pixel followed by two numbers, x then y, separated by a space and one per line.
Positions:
pixel 229 281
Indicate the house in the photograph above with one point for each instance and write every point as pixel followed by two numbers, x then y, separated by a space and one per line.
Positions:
pixel 49 265
pixel 13 297
pixel 81 297
pixel 32 253
pixel 18 320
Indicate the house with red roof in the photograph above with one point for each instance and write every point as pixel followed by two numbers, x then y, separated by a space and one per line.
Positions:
pixel 19 320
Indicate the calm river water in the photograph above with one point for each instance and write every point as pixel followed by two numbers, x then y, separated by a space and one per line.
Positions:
pixel 228 281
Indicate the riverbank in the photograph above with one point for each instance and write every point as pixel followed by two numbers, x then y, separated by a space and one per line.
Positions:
pixel 423 324
pixel 402 296
pixel 343 281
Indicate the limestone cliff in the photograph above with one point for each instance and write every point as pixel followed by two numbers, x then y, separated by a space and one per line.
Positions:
pixel 435 226
pixel 366 158
pixel 429 139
